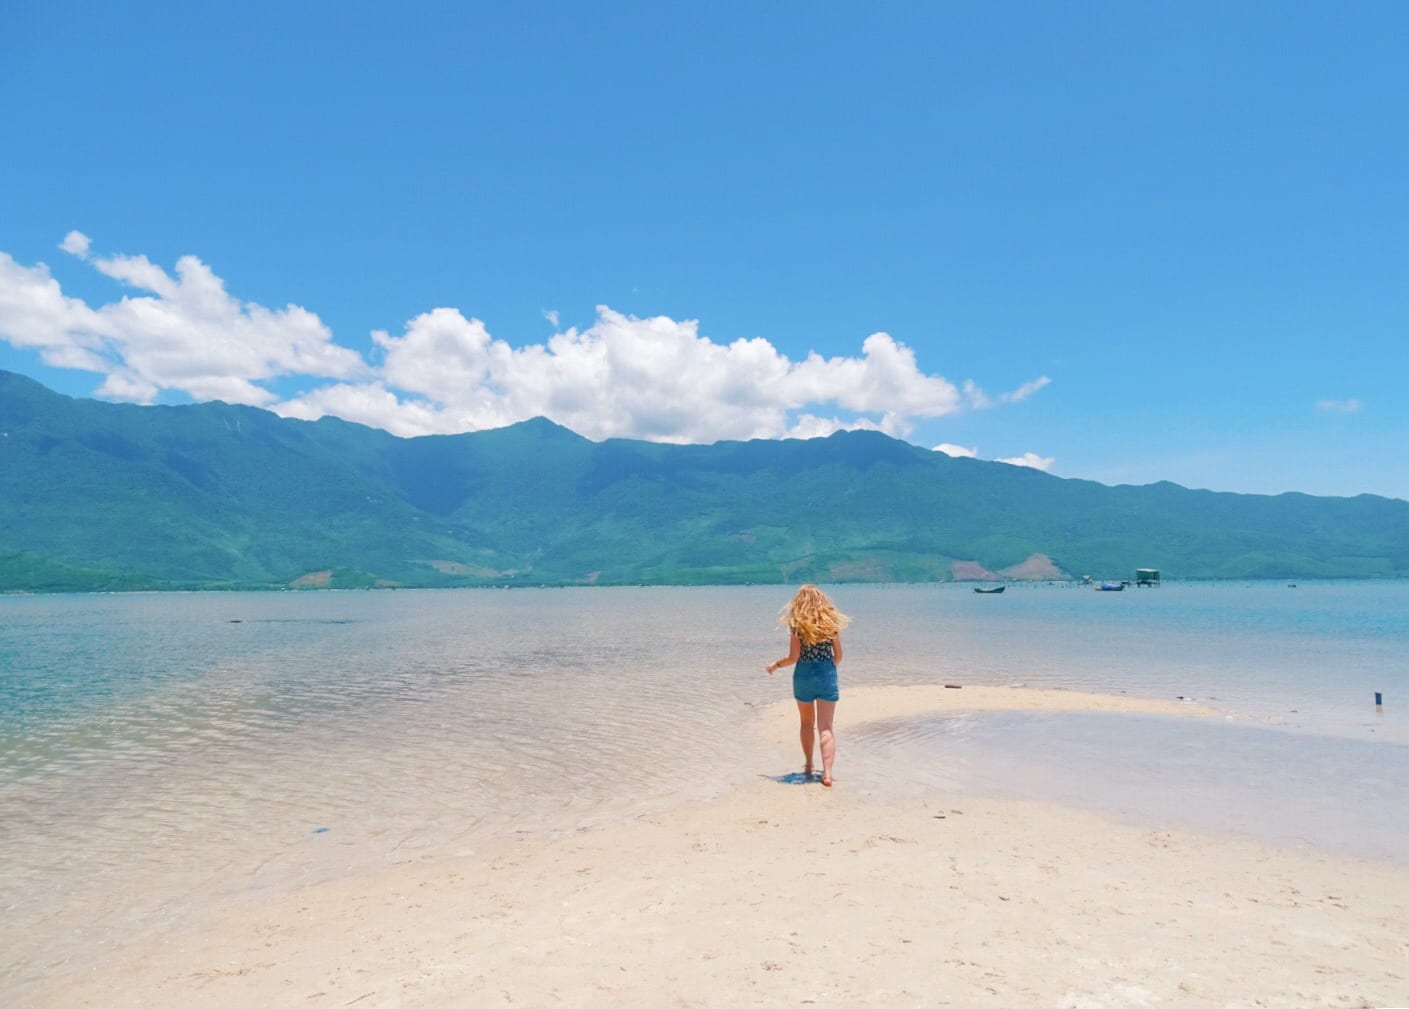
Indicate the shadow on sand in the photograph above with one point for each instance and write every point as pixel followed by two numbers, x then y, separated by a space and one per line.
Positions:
pixel 795 778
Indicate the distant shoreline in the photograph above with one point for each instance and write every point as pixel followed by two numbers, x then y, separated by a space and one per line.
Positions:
pixel 316 589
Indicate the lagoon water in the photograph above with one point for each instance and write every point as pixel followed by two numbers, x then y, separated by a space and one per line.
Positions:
pixel 162 755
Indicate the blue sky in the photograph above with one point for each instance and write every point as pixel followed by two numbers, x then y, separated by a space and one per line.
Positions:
pixel 1124 242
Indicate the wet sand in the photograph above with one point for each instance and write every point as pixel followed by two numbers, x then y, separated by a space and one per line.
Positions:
pixel 878 703
pixel 779 894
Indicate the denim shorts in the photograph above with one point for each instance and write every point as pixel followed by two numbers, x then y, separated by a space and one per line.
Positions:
pixel 815 681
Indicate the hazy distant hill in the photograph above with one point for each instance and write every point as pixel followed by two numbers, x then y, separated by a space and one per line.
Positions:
pixel 100 495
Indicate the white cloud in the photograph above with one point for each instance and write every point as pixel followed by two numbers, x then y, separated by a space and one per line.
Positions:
pixel 35 314
pixel 622 376
pixel 977 398
pixel 885 379
pixel 980 400
pixel 120 385
pixel 1025 390
pixel 1339 405
pixel 957 451
pixel 1031 460
pixel 551 314
pixel 186 333
pixel 75 243
pixel 371 404
pixel 808 426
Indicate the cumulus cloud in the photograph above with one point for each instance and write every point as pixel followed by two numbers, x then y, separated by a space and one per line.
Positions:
pixel 808 426
pixel 75 243
pixel 1031 460
pixel 182 332
pixel 656 378
pixel 35 314
pixel 372 404
pixel 1338 405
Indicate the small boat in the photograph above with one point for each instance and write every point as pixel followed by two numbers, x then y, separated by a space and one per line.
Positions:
pixel 1111 587
pixel 990 592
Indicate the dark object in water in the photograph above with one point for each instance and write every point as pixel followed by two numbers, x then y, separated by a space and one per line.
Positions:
pixel 960 686
pixel 990 592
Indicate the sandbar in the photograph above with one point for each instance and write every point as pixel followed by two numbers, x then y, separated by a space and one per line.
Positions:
pixel 777 894
pixel 861 705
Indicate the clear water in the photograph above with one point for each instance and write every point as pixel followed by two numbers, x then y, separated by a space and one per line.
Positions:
pixel 161 755
pixel 1330 793
pixel 1311 657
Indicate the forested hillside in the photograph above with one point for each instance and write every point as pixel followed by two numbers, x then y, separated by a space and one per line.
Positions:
pixel 104 496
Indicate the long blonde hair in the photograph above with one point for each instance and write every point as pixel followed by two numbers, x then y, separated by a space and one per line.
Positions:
pixel 812 617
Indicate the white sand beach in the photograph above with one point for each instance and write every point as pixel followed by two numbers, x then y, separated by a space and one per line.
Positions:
pixel 773 895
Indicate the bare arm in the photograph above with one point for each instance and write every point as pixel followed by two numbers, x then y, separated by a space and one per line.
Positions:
pixel 836 649
pixel 794 650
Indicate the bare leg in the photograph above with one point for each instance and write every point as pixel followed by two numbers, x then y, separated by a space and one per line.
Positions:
pixel 825 711
pixel 806 732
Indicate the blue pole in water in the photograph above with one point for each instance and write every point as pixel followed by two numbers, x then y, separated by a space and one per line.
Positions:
pixel 1379 700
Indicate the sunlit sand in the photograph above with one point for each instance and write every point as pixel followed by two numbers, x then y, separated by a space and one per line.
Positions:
pixel 773 895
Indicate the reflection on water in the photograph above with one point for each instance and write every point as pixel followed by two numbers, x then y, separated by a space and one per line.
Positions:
pixel 161 754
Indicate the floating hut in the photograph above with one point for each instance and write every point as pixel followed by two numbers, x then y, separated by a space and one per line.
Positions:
pixel 1147 576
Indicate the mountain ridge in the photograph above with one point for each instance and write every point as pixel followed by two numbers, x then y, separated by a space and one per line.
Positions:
pixel 214 495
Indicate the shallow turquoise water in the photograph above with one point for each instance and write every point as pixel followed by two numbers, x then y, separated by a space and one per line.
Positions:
pixel 161 754
pixel 1319 651
pixel 1310 657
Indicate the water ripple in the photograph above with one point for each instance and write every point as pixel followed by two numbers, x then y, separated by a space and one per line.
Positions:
pixel 163 754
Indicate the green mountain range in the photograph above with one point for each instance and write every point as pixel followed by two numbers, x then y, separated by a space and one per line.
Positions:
pixel 98 495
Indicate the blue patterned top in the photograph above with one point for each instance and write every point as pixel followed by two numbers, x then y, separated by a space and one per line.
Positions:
pixel 818 651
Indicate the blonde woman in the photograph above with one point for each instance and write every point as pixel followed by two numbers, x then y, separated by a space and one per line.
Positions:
pixel 814 653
